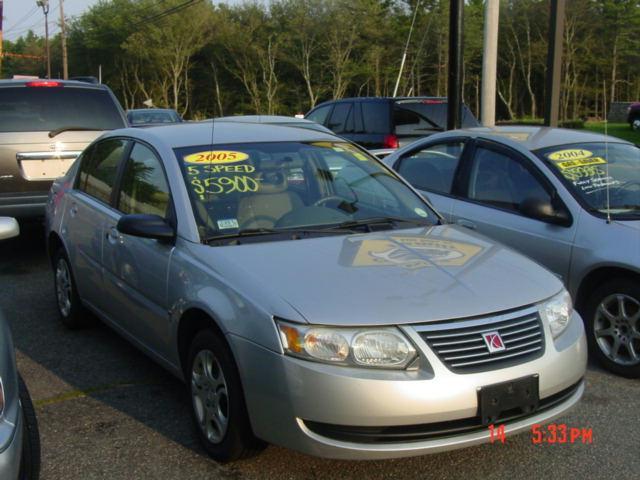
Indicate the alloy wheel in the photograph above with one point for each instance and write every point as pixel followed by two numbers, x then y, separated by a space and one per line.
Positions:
pixel 617 328
pixel 636 124
pixel 63 287
pixel 210 396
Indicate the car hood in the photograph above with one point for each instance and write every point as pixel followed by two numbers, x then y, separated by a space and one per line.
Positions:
pixel 382 278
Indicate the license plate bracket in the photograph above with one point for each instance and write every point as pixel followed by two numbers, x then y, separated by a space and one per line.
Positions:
pixel 500 398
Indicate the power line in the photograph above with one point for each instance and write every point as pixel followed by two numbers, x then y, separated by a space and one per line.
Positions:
pixel 166 13
pixel 25 17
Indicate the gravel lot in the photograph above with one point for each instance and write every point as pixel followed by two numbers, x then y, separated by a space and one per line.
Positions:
pixel 106 411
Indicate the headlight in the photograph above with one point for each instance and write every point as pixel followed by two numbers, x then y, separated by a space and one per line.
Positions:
pixel 557 312
pixel 356 347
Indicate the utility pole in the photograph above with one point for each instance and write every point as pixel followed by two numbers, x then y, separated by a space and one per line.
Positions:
pixel 554 63
pixel 454 93
pixel 1 38
pixel 63 32
pixel 44 4
pixel 490 63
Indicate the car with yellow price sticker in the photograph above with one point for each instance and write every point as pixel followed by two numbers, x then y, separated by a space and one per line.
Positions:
pixel 568 199
pixel 307 295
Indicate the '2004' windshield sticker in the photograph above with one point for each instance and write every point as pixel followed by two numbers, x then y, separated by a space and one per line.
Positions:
pixel 220 173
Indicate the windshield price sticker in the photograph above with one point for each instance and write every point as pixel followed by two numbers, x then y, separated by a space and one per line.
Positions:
pixel 220 173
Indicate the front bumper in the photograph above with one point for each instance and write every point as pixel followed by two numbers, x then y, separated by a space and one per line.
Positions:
pixel 288 398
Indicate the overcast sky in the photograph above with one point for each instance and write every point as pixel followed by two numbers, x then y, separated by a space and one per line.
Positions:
pixel 22 15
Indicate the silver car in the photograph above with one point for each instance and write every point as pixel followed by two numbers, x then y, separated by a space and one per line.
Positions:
pixel 307 295
pixel 568 199
pixel 19 436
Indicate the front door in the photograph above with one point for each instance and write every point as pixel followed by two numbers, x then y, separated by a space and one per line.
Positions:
pixel 499 180
pixel 135 269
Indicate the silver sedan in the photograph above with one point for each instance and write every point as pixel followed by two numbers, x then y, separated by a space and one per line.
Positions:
pixel 568 199
pixel 307 295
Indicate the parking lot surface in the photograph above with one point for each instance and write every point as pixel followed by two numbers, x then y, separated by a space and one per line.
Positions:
pixel 107 411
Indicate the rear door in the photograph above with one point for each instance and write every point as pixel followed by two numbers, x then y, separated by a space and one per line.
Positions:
pixel 432 170
pixel 87 209
pixel 498 180
pixel 135 269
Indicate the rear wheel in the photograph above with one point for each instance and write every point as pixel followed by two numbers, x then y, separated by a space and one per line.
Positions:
pixel 217 401
pixel 612 318
pixel 635 123
pixel 70 308
pixel 30 461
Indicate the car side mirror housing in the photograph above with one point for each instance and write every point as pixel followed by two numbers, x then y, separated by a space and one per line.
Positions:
pixel 543 210
pixel 9 228
pixel 146 226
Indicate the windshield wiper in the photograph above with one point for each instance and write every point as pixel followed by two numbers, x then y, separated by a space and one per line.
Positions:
pixel 58 131
pixel 254 232
pixel 369 222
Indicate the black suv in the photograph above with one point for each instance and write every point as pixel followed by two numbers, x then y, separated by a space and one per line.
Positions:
pixel 386 122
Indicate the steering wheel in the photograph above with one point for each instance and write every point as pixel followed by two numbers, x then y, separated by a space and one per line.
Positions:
pixel 322 201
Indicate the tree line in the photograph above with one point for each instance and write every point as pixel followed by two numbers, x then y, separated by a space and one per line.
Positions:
pixel 285 56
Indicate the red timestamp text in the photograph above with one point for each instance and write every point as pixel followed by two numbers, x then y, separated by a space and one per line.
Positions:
pixel 560 433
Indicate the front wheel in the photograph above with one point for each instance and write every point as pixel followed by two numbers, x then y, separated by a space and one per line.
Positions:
pixel 217 401
pixel 612 318
pixel 30 461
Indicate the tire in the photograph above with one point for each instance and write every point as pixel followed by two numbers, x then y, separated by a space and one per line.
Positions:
pixel 218 407
pixel 608 325
pixel 635 123
pixel 30 461
pixel 70 309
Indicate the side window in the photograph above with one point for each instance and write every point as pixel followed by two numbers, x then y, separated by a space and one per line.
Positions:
pixel 500 180
pixel 99 168
pixel 340 117
pixel 376 117
pixel 144 186
pixel 432 168
pixel 319 115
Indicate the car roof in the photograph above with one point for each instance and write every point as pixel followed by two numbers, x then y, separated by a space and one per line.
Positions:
pixel 66 83
pixel 274 119
pixel 136 110
pixel 532 137
pixel 179 135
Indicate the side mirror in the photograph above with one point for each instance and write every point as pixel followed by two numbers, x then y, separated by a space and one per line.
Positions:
pixel 146 226
pixel 543 210
pixel 9 228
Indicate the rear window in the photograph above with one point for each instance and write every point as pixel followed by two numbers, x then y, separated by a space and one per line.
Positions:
pixel 28 109
pixel 420 116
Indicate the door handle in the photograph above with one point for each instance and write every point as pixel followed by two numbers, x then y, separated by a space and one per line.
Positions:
pixel 466 223
pixel 113 235
pixel 73 211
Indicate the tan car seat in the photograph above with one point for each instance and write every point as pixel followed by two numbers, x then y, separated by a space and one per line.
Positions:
pixel 270 203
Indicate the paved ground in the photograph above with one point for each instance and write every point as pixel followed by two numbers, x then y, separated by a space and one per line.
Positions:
pixel 106 411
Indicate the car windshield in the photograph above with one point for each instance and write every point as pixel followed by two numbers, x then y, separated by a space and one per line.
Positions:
pixel 266 188
pixel 602 175
pixel 30 109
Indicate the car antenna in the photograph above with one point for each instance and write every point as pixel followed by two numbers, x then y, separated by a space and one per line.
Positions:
pixel 606 164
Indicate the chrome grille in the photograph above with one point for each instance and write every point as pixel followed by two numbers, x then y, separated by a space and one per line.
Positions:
pixel 461 347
